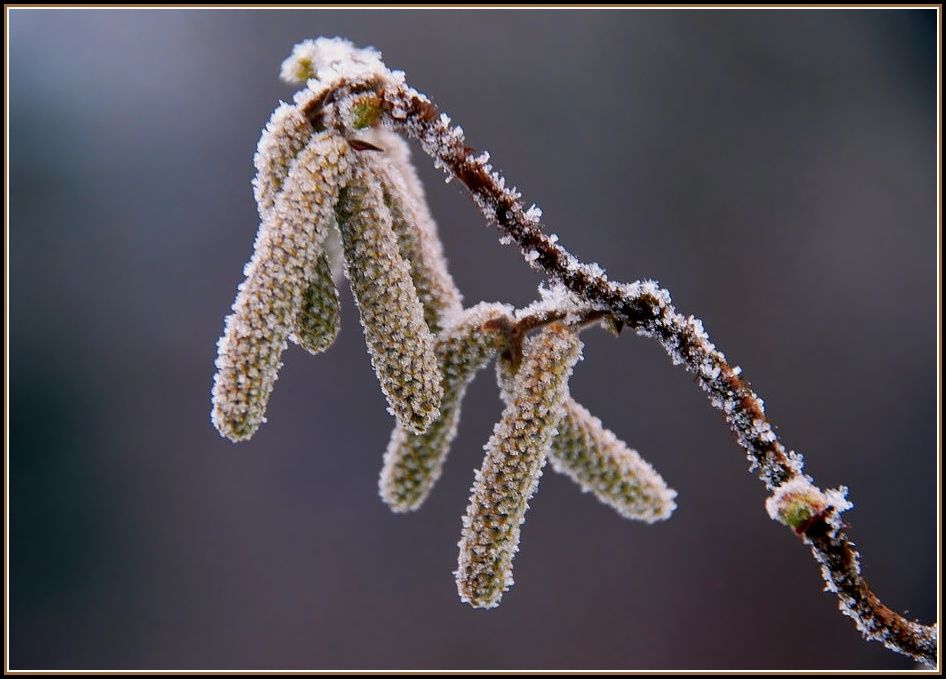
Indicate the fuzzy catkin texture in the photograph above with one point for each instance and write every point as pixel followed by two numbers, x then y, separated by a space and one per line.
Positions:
pixel 413 462
pixel 598 461
pixel 435 287
pixel 399 342
pixel 283 138
pixel 285 135
pixel 277 277
pixel 514 457
pixel 416 229
pixel 319 320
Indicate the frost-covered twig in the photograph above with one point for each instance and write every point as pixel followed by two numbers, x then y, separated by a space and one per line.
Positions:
pixel 349 93
pixel 646 308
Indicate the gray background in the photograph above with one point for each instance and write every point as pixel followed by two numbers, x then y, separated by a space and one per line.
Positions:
pixel 774 169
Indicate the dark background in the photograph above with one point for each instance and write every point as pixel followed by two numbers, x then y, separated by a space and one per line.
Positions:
pixel 775 169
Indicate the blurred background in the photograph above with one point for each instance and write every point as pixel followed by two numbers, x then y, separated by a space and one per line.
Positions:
pixel 775 169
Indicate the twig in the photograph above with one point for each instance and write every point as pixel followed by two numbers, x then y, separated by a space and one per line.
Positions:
pixel 646 308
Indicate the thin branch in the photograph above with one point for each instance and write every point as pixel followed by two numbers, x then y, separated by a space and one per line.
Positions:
pixel 646 308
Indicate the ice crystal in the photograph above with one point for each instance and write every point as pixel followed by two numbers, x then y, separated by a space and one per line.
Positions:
pixel 330 59
pixel 515 455
pixel 798 501
pixel 555 301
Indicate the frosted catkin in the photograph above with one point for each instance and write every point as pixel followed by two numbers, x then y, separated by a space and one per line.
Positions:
pixel 514 457
pixel 399 342
pixel 319 320
pixel 277 277
pixel 285 135
pixel 413 462
pixel 599 462
pixel 416 230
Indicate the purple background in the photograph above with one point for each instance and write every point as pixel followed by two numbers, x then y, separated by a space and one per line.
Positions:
pixel 775 169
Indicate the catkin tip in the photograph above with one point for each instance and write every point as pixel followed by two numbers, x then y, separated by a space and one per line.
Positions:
pixel 319 320
pixel 602 464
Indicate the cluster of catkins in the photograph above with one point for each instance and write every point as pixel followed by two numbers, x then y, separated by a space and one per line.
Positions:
pixel 332 201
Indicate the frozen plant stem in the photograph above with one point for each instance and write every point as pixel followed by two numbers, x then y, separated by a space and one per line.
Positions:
pixel 351 94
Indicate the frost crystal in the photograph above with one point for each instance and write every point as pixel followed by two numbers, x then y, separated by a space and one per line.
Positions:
pixel 556 301
pixel 798 500
pixel 330 59
pixel 413 462
pixel 399 341
pixel 277 277
pixel 515 455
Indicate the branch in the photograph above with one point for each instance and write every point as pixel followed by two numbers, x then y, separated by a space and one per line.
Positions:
pixel 362 98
